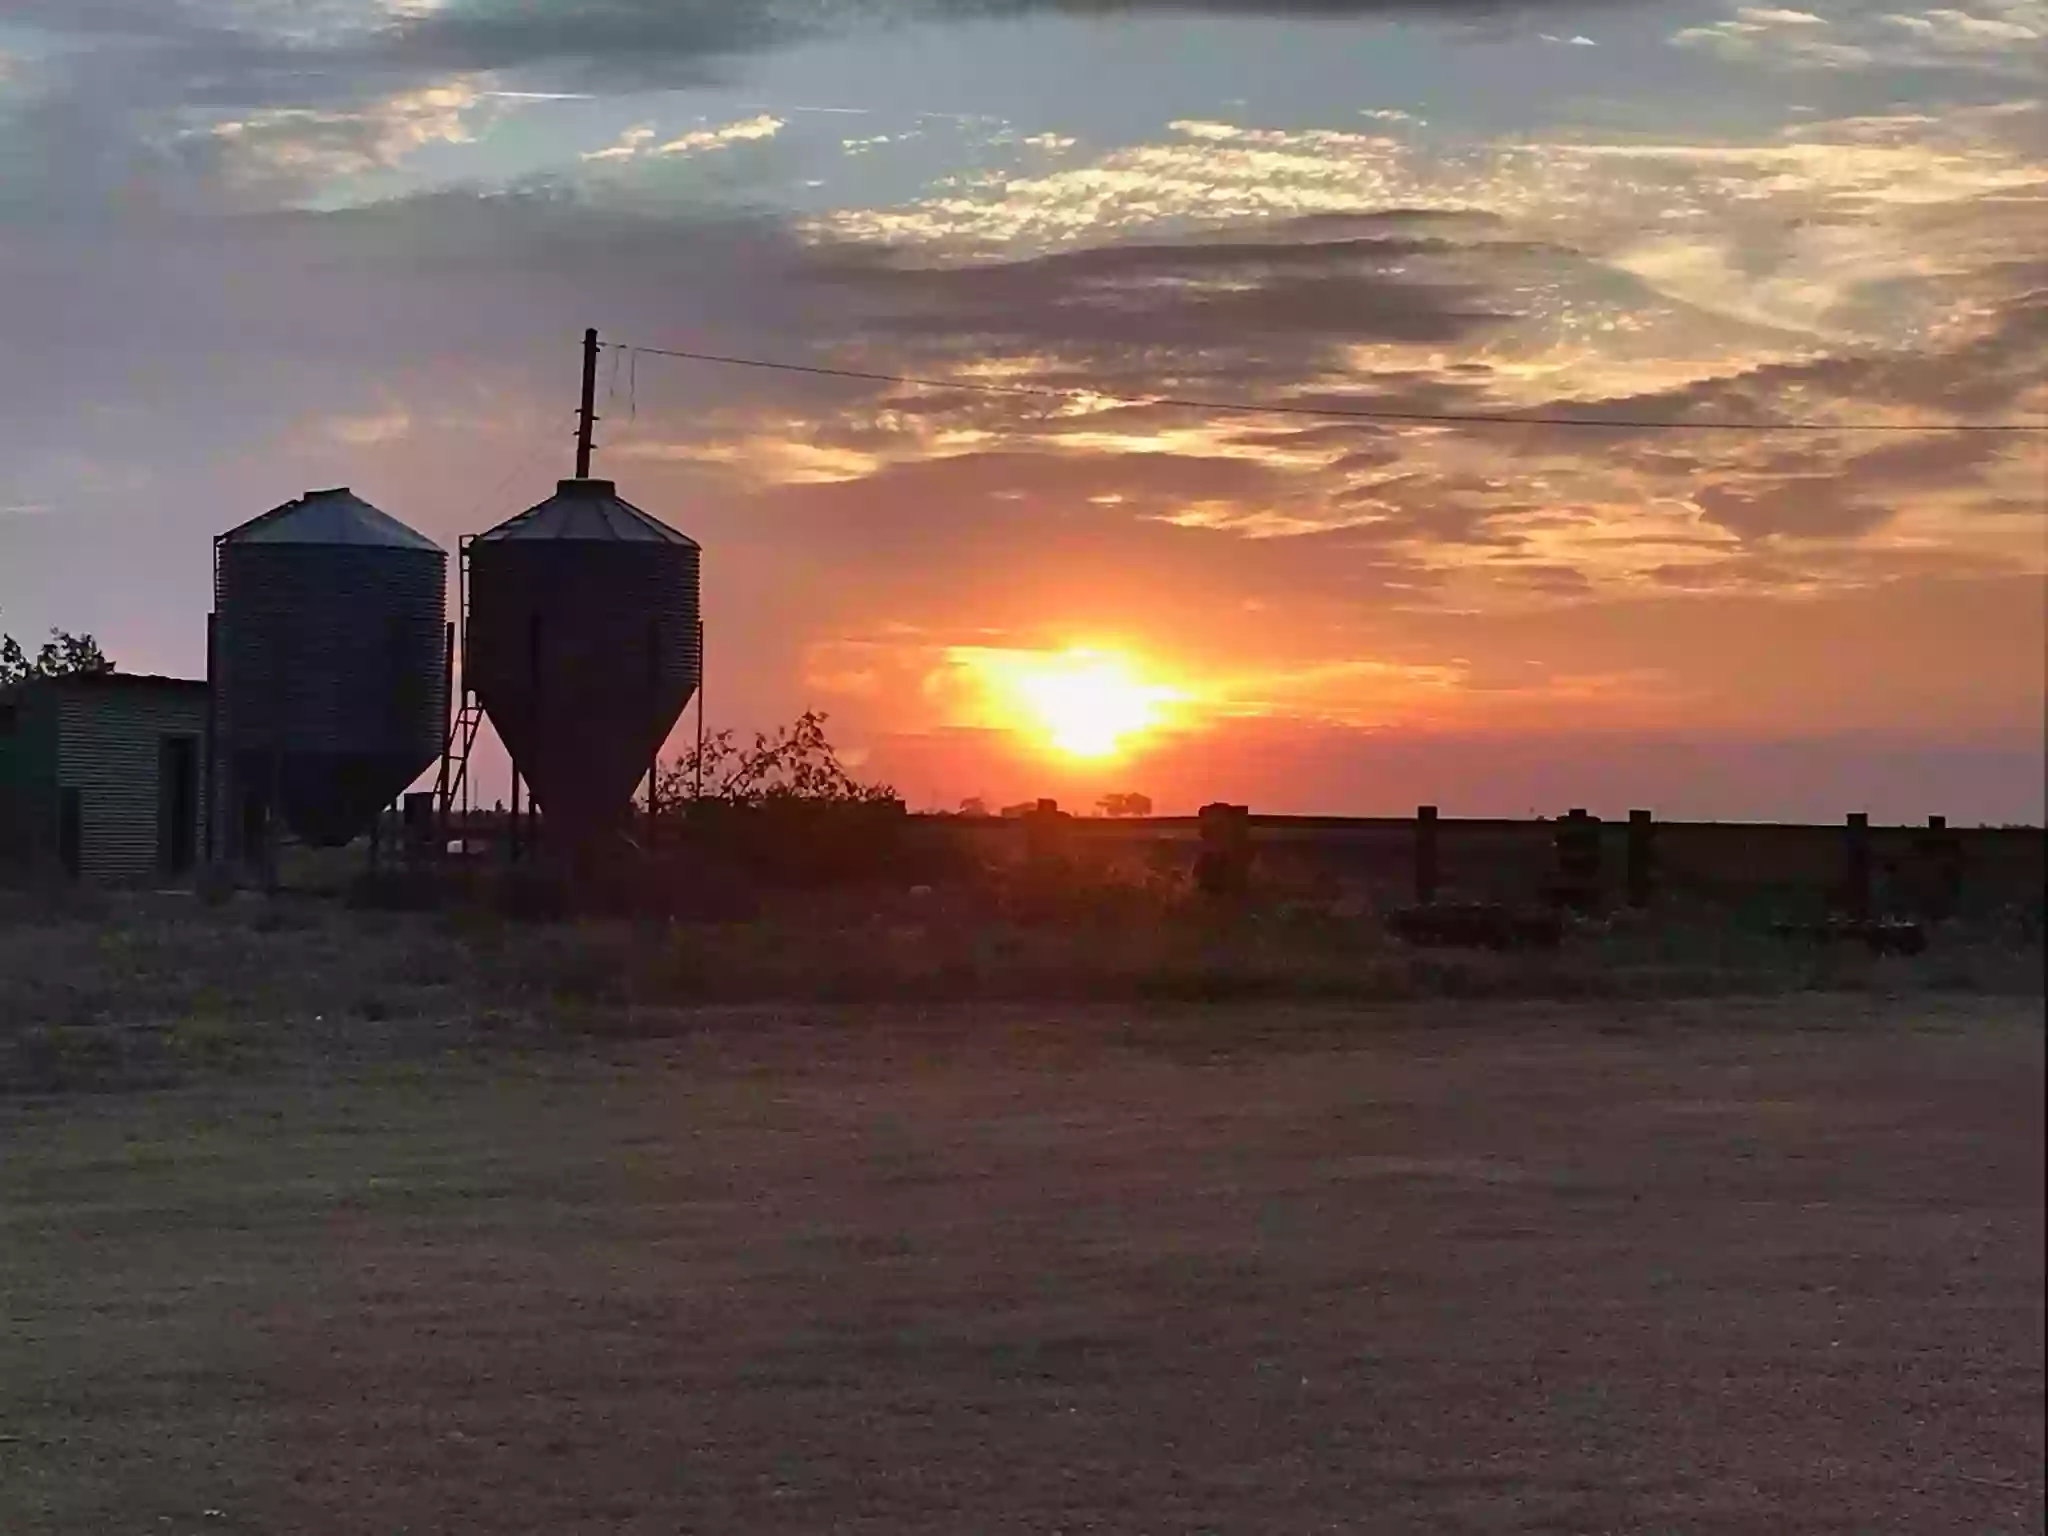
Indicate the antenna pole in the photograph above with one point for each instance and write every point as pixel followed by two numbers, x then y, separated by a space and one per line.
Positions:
pixel 586 417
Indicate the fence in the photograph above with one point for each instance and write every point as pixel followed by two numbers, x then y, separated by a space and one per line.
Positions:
pixel 1853 868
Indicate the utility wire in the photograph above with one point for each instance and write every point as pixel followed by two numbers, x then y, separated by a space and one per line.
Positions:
pixel 535 452
pixel 1411 418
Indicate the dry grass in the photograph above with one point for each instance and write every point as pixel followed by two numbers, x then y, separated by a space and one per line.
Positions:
pixel 147 990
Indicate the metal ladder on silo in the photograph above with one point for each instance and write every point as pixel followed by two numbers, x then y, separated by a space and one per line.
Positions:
pixel 468 718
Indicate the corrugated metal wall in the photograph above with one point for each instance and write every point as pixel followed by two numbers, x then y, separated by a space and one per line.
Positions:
pixel 109 741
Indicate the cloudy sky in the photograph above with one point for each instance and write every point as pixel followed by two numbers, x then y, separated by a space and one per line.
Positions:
pixel 252 247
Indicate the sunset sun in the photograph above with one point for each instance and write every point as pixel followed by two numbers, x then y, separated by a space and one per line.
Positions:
pixel 1080 703
pixel 1087 706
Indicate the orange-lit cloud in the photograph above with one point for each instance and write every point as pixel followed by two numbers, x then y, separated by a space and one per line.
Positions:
pixel 308 145
pixel 644 139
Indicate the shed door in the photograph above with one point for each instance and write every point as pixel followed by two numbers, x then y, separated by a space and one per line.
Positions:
pixel 177 804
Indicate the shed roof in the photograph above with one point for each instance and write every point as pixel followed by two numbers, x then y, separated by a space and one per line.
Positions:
pixel 329 517
pixel 105 681
pixel 587 510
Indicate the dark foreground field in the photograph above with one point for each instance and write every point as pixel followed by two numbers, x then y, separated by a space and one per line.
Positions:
pixel 1769 1266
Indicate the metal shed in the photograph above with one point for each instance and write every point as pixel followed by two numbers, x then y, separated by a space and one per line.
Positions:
pixel 103 777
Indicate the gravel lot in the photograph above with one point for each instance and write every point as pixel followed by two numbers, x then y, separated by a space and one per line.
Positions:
pixel 1773 1266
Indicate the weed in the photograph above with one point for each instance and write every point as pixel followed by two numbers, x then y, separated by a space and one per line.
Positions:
pixel 591 964
pixel 67 1058
pixel 211 1042
pixel 216 885
pixel 284 917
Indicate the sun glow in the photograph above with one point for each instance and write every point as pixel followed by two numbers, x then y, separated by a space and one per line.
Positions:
pixel 1082 703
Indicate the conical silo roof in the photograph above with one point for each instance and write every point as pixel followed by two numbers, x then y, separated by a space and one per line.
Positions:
pixel 587 510
pixel 336 517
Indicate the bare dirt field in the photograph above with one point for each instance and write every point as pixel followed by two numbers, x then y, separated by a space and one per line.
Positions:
pixel 1765 1266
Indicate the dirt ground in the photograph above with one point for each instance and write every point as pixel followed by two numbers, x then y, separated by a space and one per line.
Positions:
pixel 1773 1266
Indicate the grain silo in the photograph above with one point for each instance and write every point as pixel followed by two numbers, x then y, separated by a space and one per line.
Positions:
pixel 582 644
pixel 330 663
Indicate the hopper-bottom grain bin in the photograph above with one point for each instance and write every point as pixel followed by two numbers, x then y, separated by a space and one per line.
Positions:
pixel 583 646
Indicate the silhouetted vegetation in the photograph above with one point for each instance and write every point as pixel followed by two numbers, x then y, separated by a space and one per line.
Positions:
pixel 795 762
pixel 781 810
pixel 62 655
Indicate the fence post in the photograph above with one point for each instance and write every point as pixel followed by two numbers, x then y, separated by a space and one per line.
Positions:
pixel 1042 831
pixel 514 829
pixel 1856 866
pixel 1941 870
pixel 1578 861
pixel 1224 866
pixel 1642 832
pixel 1426 864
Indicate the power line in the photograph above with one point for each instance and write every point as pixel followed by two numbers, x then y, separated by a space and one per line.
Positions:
pixel 535 452
pixel 1338 413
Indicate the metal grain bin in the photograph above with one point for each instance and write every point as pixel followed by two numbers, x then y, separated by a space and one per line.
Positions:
pixel 330 661
pixel 583 645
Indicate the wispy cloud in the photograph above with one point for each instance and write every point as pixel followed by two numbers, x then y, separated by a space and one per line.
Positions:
pixel 2005 37
pixel 644 139
pixel 309 145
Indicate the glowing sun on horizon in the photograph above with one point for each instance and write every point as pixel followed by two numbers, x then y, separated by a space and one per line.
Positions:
pixel 1082 703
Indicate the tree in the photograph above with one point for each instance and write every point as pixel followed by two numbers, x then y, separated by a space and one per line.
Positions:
pixel 1125 805
pixel 796 763
pixel 974 805
pixel 62 655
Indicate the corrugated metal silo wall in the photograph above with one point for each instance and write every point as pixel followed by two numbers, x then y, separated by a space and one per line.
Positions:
pixel 584 727
pixel 109 746
pixel 333 649
pixel 334 658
